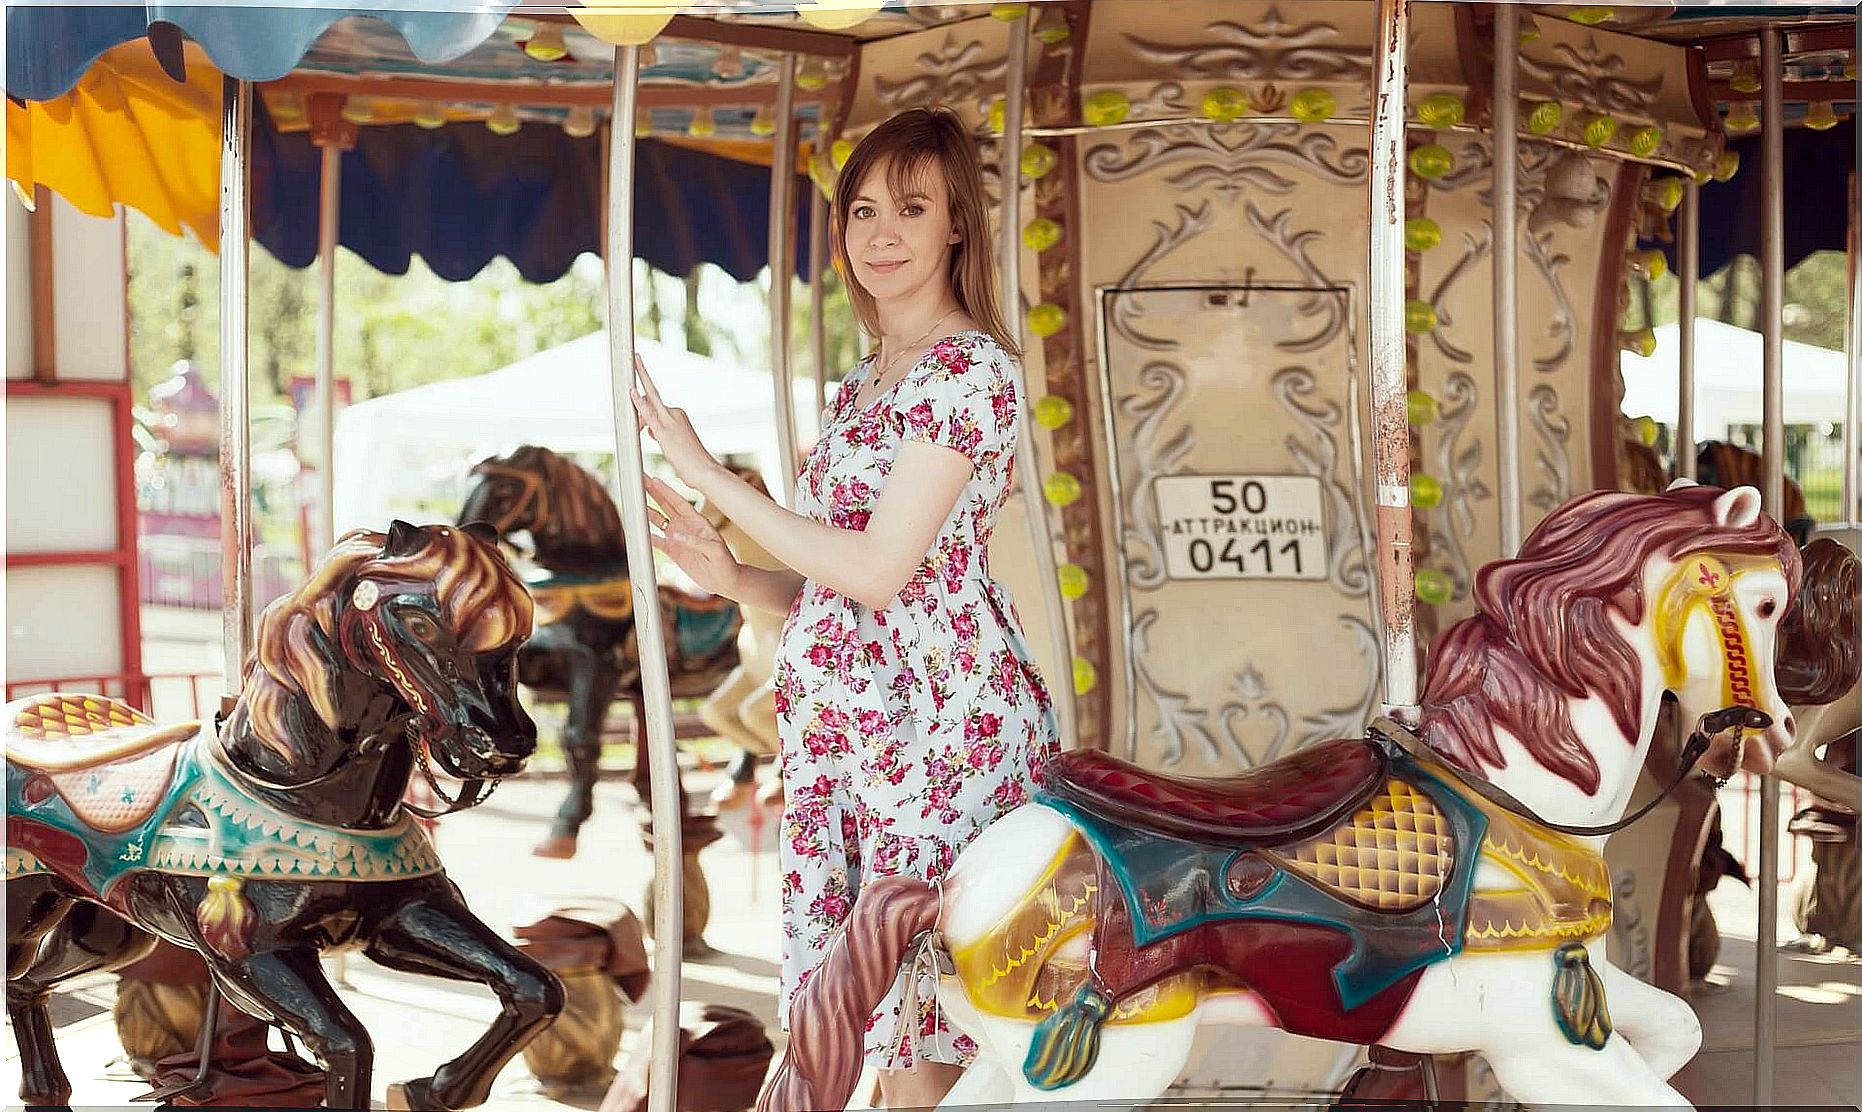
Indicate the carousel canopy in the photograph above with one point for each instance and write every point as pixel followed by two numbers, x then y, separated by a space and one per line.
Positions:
pixel 476 130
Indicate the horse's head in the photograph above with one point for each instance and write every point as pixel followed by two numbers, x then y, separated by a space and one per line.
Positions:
pixel 510 493
pixel 1611 592
pixel 563 507
pixel 437 618
pixel 1714 605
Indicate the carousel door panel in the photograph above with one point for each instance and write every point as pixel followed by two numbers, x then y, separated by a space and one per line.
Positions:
pixel 1240 520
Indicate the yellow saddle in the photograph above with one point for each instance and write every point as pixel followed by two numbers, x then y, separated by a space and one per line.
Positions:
pixel 110 762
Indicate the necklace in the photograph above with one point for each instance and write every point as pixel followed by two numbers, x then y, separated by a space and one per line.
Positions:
pixel 888 364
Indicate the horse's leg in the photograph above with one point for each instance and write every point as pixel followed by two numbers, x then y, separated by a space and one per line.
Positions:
pixel 1659 1025
pixel 1560 1073
pixel 289 986
pixel 440 937
pixel 719 712
pixel 592 682
pixel 1502 1006
pixel 35 909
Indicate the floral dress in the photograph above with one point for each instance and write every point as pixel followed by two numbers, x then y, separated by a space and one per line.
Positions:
pixel 908 729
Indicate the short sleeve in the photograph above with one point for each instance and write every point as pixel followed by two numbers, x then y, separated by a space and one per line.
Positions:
pixel 961 396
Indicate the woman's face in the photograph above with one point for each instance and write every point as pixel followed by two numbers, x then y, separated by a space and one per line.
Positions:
pixel 900 246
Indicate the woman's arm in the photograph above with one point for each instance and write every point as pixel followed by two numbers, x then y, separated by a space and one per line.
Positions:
pixel 766 589
pixel 869 565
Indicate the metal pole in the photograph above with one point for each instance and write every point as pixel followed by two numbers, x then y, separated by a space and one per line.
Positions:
pixel 1687 259
pixel 235 400
pixel 782 273
pixel 1771 324
pixel 668 889
pixel 817 296
pixel 1852 341
pixel 1040 529
pixel 1396 570
pixel 1506 268
pixel 329 197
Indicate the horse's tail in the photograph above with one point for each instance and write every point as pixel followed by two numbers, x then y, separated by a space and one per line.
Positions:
pixel 827 1021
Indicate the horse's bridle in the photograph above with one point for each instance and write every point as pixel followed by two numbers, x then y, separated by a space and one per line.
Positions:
pixel 1737 719
pixel 534 492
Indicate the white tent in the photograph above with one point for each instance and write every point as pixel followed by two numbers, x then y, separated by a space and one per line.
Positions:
pixel 406 455
pixel 1728 373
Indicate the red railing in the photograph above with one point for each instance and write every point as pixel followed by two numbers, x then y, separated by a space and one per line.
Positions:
pixel 163 696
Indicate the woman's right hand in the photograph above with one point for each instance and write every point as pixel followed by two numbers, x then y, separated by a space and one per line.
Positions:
pixel 682 533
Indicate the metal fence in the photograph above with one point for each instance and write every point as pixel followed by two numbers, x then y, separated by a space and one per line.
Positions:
pixel 185 572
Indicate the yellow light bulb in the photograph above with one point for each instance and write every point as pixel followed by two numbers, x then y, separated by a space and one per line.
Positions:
pixel 1742 118
pixel 1821 117
pixel 545 44
pixel 580 123
pixel 838 15
pixel 428 114
pixel 763 124
pixel 503 120
pixel 703 125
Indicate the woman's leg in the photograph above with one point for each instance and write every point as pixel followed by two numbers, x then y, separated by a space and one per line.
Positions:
pixel 923 1087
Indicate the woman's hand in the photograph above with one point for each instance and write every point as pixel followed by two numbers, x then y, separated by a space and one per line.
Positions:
pixel 683 534
pixel 672 431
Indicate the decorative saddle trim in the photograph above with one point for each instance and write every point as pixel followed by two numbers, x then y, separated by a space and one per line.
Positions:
pixel 1564 891
pixel 246 837
pixel 60 733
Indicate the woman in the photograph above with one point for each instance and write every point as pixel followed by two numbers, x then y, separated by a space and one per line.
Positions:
pixel 909 709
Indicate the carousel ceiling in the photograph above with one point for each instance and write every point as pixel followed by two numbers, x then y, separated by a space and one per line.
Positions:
pixel 481 99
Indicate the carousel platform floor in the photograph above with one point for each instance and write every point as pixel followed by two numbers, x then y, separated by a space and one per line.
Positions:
pixel 418 1023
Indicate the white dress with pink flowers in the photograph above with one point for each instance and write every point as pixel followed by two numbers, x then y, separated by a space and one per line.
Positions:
pixel 905 730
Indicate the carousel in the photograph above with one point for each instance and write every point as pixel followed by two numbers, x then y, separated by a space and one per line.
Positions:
pixel 1308 498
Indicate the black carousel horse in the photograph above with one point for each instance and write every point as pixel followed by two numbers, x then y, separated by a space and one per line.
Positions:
pixel 585 652
pixel 283 833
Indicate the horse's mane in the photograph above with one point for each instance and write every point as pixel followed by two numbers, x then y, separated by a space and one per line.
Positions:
pixel 482 601
pixel 1820 639
pixel 1542 635
pixel 580 512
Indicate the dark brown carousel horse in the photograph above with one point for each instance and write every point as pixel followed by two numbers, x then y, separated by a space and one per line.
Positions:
pixel 283 833
pixel 584 651
pixel 1720 464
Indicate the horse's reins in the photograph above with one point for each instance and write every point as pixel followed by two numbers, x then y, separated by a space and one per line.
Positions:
pixel 471 794
pixel 1737 719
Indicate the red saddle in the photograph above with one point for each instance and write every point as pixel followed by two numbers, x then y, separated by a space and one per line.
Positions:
pixel 1295 796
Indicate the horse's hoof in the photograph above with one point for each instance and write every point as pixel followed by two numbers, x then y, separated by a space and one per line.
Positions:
pixel 559 847
pixel 416 1094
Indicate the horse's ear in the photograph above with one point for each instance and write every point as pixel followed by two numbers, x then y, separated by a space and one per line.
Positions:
pixel 403 539
pixel 1737 508
pixel 1682 483
pixel 483 530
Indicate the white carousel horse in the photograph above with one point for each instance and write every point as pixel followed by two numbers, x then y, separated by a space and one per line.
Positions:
pixel 1433 896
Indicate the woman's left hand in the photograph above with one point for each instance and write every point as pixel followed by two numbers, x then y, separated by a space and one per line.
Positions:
pixel 672 430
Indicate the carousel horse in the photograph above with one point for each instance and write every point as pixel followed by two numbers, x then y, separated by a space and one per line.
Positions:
pixel 1820 676
pixel 584 651
pixel 743 707
pixel 282 833
pixel 1820 672
pixel 1719 464
pixel 1432 892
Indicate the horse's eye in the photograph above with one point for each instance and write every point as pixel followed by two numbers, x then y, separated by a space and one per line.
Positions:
pixel 422 627
pixel 1768 607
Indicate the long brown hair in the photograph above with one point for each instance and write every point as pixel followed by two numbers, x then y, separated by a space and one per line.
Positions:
pixel 1820 638
pixel 910 143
